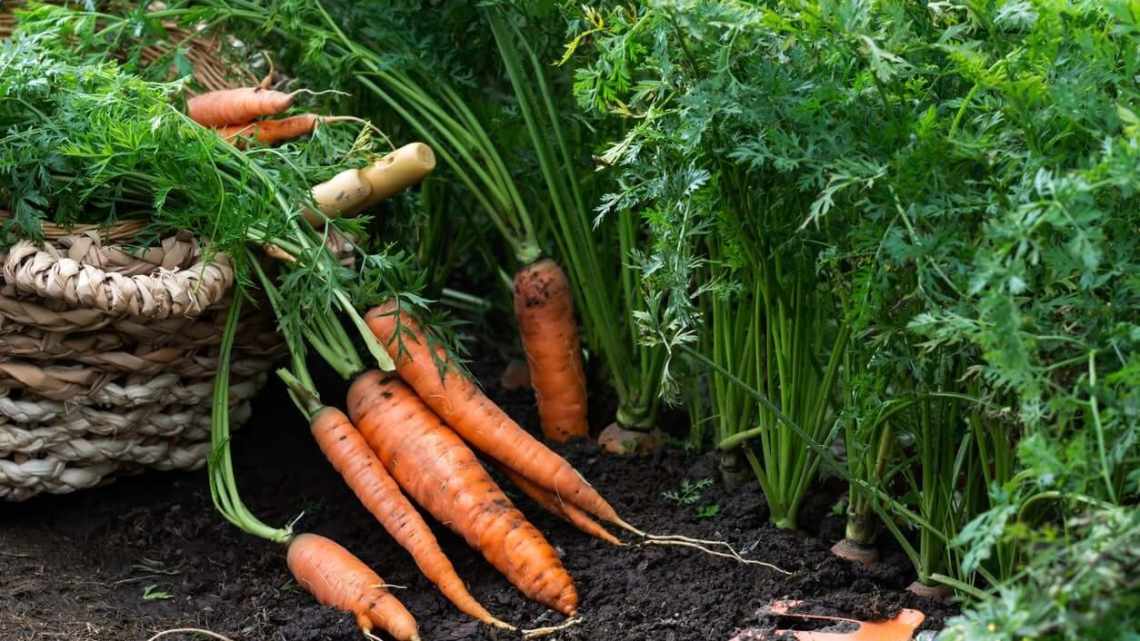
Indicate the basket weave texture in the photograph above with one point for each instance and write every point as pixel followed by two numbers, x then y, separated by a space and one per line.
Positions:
pixel 108 352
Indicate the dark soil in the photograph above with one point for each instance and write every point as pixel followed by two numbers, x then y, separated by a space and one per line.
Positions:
pixel 148 553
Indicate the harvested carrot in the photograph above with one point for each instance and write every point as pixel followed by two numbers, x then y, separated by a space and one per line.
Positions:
pixel 227 107
pixel 270 132
pixel 481 422
pixel 544 308
pixel 443 475
pixel 395 172
pixel 350 454
pixel 340 580
pixel 337 195
pixel 559 508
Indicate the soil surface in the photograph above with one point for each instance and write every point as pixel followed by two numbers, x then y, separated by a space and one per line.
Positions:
pixel 148 553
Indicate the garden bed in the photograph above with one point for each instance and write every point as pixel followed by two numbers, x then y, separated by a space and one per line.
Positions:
pixel 149 553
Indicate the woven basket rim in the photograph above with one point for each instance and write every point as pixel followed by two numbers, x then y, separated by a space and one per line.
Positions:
pixel 116 231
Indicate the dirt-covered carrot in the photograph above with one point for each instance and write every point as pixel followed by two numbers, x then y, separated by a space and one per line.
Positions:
pixel 442 474
pixel 340 580
pixel 350 454
pixel 544 308
pixel 227 107
pixel 482 423
pixel 563 510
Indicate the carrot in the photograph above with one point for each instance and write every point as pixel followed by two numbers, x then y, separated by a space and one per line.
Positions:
pixel 464 407
pixel 340 580
pixel 443 475
pixel 559 508
pixel 227 107
pixel 269 132
pixel 349 453
pixel 544 308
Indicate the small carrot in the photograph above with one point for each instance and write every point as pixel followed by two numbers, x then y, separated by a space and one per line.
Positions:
pixel 227 107
pixel 340 580
pixel 350 455
pixel 271 132
pixel 443 475
pixel 559 508
pixel 544 308
pixel 476 418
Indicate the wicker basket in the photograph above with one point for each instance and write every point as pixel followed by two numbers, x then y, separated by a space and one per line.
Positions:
pixel 107 355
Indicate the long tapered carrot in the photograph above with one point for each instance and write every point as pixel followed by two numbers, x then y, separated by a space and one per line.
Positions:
pixel 350 454
pixel 227 107
pixel 340 580
pixel 544 308
pixel 463 406
pixel 563 510
pixel 442 474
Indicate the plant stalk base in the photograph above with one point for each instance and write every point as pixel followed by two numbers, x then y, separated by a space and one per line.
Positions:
pixel 849 550
pixel 932 592
pixel 616 439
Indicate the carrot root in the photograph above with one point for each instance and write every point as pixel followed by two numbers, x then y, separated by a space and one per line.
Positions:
pixel 351 456
pixel 229 107
pixel 442 474
pixel 535 633
pixel 544 307
pixel 558 507
pixel 338 579
pixel 482 423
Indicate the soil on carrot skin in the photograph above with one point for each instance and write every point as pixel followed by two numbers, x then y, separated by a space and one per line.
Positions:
pixel 148 553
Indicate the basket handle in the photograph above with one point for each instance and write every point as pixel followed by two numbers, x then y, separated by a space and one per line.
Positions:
pixel 163 293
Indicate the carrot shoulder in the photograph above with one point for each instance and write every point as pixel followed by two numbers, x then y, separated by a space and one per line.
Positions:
pixel 349 453
pixel 462 405
pixel 544 308
pixel 442 474
pixel 340 580
pixel 228 107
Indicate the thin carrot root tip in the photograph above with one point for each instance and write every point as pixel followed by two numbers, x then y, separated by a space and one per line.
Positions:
pixel 536 633
pixel 732 554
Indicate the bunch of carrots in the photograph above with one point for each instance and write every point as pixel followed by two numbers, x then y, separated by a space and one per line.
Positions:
pixel 410 433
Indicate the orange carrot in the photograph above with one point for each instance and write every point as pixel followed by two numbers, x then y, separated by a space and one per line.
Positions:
pixel 270 132
pixel 227 107
pixel 481 422
pixel 340 580
pixel 544 308
pixel 349 453
pixel 559 508
pixel 443 475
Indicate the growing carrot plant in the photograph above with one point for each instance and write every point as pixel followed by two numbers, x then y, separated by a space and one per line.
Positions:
pixel 945 183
